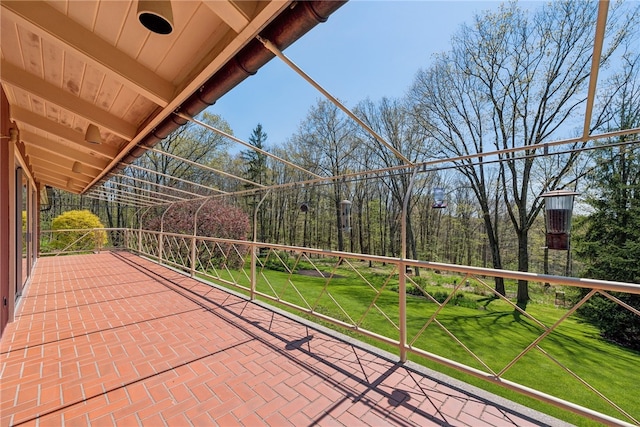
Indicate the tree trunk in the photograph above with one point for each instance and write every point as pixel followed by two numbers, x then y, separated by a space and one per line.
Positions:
pixel 497 263
pixel 340 230
pixel 109 215
pixel 523 265
pixel 494 245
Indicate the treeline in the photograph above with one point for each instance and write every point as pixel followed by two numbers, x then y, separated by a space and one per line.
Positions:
pixel 454 234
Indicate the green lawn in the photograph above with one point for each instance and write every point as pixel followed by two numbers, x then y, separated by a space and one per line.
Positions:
pixel 490 328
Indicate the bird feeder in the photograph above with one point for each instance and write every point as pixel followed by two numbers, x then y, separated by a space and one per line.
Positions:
pixel 558 210
pixel 438 198
pixel 304 207
pixel 345 215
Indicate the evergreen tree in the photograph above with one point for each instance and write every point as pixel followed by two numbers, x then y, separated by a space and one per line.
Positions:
pixel 255 170
pixel 610 245
pixel 255 161
pixel 609 242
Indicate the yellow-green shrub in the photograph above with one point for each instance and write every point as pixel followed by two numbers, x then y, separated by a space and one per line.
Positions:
pixel 77 240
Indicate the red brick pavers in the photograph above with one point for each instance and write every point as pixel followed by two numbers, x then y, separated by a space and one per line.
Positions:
pixel 113 339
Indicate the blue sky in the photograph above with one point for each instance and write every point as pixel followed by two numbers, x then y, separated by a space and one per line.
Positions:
pixel 367 49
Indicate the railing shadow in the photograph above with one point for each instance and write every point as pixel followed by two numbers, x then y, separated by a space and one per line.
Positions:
pixel 255 327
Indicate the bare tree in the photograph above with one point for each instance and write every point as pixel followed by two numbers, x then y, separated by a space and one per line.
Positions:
pixel 191 142
pixel 390 119
pixel 254 169
pixel 514 80
pixel 326 144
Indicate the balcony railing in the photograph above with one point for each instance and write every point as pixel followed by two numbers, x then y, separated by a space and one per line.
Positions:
pixel 416 325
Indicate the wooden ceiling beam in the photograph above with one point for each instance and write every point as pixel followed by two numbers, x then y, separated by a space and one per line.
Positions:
pixel 79 180
pixel 47 22
pixel 72 139
pixel 58 181
pixel 61 164
pixel 229 13
pixel 41 88
pixel 37 141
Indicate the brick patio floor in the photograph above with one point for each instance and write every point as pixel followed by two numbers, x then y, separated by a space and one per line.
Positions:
pixel 113 339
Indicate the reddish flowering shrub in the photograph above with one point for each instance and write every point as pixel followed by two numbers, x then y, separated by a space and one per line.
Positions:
pixel 215 219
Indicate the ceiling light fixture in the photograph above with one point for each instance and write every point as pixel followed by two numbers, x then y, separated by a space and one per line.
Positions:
pixel 156 15
pixel 93 134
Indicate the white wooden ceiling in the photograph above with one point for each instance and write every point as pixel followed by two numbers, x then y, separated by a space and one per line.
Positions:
pixel 66 64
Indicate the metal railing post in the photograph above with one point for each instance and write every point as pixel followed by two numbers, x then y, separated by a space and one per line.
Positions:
pixel 402 286
pixel 161 235
pixel 193 256
pixel 195 233
pixel 140 216
pixel 402 273
pixel 254 247
pixel 97 240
